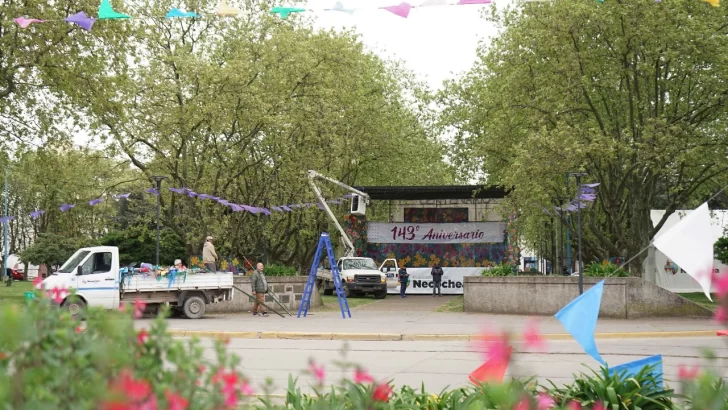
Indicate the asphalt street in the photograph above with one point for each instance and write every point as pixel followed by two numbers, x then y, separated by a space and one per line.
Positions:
pixel 442 364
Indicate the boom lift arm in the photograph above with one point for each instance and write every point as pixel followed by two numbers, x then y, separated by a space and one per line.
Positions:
pixel 312 175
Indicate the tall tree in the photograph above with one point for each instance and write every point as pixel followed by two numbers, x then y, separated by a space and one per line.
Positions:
pixel 631 92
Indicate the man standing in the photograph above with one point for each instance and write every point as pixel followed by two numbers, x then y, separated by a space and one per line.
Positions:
pixel 403 278
pixel 260 287
pixel 209 257
pixel 436 279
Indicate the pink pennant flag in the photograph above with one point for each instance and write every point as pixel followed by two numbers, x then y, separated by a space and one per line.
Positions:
pixel 401 10
pixel 25 22
pixel 465 2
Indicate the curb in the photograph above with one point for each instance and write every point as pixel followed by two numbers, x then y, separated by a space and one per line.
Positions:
pixel 389 337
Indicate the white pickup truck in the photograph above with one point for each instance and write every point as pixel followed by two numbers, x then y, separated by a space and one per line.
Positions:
pixel 359 276
pixel 95 275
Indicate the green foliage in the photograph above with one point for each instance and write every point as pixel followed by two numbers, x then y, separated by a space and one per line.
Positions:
pixel 720 249
pixel 139 244
pixel 642 391
pixel 50 361
pixel 502 269
pixel 602 270
pixel 53 249
pixel 583 86
pixel 709 391
pixel 279 270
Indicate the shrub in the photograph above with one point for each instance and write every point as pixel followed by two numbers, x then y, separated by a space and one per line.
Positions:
pixel 279 270
pixel 601 270
pixel 502 269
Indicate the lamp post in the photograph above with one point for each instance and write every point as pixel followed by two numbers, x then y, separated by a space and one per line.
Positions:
pixel 578 176
pixel 158 180
pixel 5 227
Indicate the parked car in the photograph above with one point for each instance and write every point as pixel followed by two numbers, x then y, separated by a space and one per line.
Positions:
pixel 14 274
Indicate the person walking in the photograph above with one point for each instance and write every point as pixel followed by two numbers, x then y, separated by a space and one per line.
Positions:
pixel 209 257
pixel 259 284
pixel 436 280
pixel 403 279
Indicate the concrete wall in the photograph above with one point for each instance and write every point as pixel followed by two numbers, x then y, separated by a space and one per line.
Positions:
pixel 624 298
pixel 289 290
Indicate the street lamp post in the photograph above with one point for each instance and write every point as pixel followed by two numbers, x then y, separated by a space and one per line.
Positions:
pixel 578 176
pixel 158 180
pixel 5 228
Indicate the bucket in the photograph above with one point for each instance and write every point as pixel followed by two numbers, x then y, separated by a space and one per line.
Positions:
pixel 29 296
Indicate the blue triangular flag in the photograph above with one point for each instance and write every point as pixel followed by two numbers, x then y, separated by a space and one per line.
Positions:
pixel 580 316
pixel 632 368
pixel 179 13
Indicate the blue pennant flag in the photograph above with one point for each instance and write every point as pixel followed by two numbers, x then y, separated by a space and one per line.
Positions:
pixel 632 368
pixel 580 316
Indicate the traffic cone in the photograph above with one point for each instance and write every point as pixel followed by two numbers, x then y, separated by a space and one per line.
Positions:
pixel 491 371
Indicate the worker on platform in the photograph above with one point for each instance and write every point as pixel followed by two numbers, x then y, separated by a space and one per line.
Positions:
pixel 209 257
pixel 403 279
pixel 436 279
pixel 259 284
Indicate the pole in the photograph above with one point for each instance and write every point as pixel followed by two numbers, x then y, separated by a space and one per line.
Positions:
pixel 553 247
pixel 561 237
pixel 158 180
pixel 568 232
pixel 5 228
pixel 578 210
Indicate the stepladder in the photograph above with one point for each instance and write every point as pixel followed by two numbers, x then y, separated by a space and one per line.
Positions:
pixel 324 244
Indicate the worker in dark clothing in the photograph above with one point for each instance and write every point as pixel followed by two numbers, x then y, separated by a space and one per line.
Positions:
pixel 403 279
pixel 436 280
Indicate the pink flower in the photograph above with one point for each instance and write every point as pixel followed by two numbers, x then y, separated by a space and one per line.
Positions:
pixel 122 307
pixel 58 294
pixel 598 406
pixel 142 336
pixel 544 401
pixel 382 392
pixel 532 337
pixel 37 282
pixel 79 329
pixel 524 404
pixel 574 405
pixel 495 347
pixel 721 284
pixel 246 389
pixel 720 314
pixel 318 371
pixel 687 373
pixel 176 402
pixel 139 307
pixel 361 376
pixel 133 389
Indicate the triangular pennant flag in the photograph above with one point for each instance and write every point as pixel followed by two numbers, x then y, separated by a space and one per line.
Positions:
pixel 689 245
pixel 494 370
pixel 402 9
pixel 82 20
pixel 24 22
pixel 284 12
pixel 632 368
pixel 224 10
pixel 714 3
pixel 181 14
pixel 107 12
pixel 339 6
pixel 580 316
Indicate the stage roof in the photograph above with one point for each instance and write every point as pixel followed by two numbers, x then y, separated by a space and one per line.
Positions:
pixel 388 193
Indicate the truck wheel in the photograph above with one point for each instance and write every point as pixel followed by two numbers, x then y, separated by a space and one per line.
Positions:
pixel 380 295
pixel 194 307
pixel 75 306
pixel 348 293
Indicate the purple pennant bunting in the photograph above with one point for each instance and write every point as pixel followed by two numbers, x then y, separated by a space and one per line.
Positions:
pixel 6 219
pixel 152 191
pixel 584 190
pixel 67 207
pixel 587 197
pixel 223 202
pixel 236 208
pixel 124 196
pixel 96 201
pixel 276 208
pixel 594 185
pixel 286 208
pixel 307 205
pixel 192 194
pixel 251 209
pixel 215 198
pixel 203 196
pixel 295 206
pixel 265 211
pixel 177 190
pixel 36 214
pixel 82 20
pixel 320 206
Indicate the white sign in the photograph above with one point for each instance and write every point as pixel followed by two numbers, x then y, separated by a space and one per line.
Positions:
pixel 467 232
pixel 421 280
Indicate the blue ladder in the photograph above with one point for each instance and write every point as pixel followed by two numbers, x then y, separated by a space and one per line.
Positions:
pixel 324 241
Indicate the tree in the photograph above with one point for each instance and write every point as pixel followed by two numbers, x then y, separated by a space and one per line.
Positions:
pixel 53 250
pixel 633 93
pixel 139 244
pixel 720 248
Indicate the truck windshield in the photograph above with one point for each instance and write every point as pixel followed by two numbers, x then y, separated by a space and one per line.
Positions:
pixel 366 264
pixel 73 262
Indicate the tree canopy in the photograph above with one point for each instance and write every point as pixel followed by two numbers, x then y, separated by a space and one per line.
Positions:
pixel 632 93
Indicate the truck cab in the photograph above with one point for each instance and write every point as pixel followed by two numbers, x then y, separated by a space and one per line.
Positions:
pixel 359 276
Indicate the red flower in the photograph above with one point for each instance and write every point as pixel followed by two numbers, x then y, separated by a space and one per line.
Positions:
pixel 532 337
pixel 598 406
pixel 142 336
pixel 3 356
pixel 382 392
pixel 361 376
pixel 524 404
pixel 139 307
pixel 574 405
pixel 246 388
pixel 176 402
pixel 687 373
pixel 318 371
pixel 58 294
pixel 201 368
pixel 720 314
pixel 79 329
pixel 131 394
pixel 495 347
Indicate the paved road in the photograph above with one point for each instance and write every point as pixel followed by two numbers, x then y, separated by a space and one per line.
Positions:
pixel 439 364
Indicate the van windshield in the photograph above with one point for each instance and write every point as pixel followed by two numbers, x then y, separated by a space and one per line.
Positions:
pixel 73 262
pixel 366 264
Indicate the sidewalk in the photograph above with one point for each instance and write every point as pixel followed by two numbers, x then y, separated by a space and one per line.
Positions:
pixel 368 324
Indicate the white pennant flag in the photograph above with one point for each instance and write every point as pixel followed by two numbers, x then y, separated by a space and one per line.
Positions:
pixel 689 245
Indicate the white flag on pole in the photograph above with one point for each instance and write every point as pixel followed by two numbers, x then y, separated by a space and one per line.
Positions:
pixel 689 245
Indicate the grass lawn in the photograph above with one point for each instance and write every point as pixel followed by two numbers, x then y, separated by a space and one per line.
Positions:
pixel 14 294
pixel 700 299
pixel 453 305
pixel 332 303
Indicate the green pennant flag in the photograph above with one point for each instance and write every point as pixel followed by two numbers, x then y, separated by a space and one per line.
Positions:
pixel 284 12
pixel 107 12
